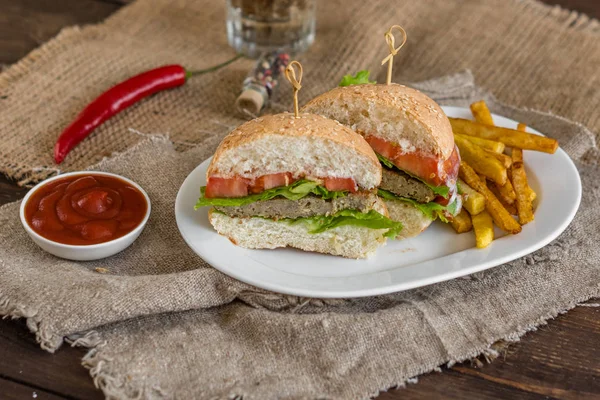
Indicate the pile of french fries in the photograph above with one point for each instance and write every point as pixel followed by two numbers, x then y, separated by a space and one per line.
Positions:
pixel 493 181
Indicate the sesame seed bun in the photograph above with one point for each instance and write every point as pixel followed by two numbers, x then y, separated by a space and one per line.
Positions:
pixel 309 146
pixel 395 113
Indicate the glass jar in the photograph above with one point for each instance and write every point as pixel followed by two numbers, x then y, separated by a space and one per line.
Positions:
pixel 257 26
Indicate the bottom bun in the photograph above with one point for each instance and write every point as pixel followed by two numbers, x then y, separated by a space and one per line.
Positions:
pixel 261 233
pixel 413 221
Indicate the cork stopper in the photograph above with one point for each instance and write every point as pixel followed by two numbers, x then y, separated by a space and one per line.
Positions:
pixel 251 102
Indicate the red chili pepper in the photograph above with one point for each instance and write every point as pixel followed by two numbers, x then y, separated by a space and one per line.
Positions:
pixel 120 97
pixel 114 100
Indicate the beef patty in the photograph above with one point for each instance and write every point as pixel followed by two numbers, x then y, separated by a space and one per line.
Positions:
pixel 308 206
pixel 404 185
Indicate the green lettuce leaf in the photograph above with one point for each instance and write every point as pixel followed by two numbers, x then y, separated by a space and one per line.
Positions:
pixel 371 220
pixel 360 78
pixel 429 209
pixel 442 190
pixel 295 191
pixel 385 161
pixel 432 210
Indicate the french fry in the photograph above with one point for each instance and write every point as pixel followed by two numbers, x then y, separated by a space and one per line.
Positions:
pixel 462 222
pixel 510 137
pixel 491 145
pixel 482 113
pixel 503 158
pixel 524 194
pixel 517 156
pixel 511 208
pixel 523 201
pixel 507 192
pixel 474 201
pixel 481 161
pixel 532 195
pixel 500 215
pixel 484 229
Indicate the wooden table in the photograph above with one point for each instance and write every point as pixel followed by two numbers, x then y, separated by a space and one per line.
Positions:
pixel 560 360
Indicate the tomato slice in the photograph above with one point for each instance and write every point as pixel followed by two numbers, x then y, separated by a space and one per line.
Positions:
pixel 271 181
pixel 340 184
pixel 226 187
pixel 239 187
pixel 423 166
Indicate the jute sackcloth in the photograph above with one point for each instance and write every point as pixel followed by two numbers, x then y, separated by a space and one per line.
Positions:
pixel 236 340
pixel 530 55
pixel 241 340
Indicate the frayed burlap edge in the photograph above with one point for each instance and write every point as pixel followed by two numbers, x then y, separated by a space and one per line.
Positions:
pixel 10 309
pixel 573 19
pixel 117 386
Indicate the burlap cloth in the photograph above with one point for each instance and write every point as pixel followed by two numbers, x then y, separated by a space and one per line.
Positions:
pixel 530 55
pixel 236 340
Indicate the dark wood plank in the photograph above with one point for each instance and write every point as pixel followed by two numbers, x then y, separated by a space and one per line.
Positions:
pixel 22 361
pixel 9 191
pixel 15 391
pixel 560 360
pixel 450 384
pixel 26 24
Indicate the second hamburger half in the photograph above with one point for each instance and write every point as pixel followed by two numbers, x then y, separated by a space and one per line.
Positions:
pixel 414 142
pixel 306 182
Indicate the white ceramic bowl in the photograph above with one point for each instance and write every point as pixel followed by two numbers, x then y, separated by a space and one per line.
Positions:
pixel 85 252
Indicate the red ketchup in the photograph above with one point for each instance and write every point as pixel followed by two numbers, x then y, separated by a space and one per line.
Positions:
pixel 85 209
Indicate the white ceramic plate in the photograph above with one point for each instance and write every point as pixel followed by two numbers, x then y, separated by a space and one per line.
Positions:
pixel 439 254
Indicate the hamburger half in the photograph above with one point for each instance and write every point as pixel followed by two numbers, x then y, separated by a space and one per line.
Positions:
pixel 414 142
pixel 306 182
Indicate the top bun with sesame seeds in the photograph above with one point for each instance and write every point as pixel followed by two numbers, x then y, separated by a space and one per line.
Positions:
pixel 395 113
pixel 308 146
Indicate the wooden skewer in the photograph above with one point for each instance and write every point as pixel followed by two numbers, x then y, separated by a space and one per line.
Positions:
pixel 290 74
pixel 391 41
